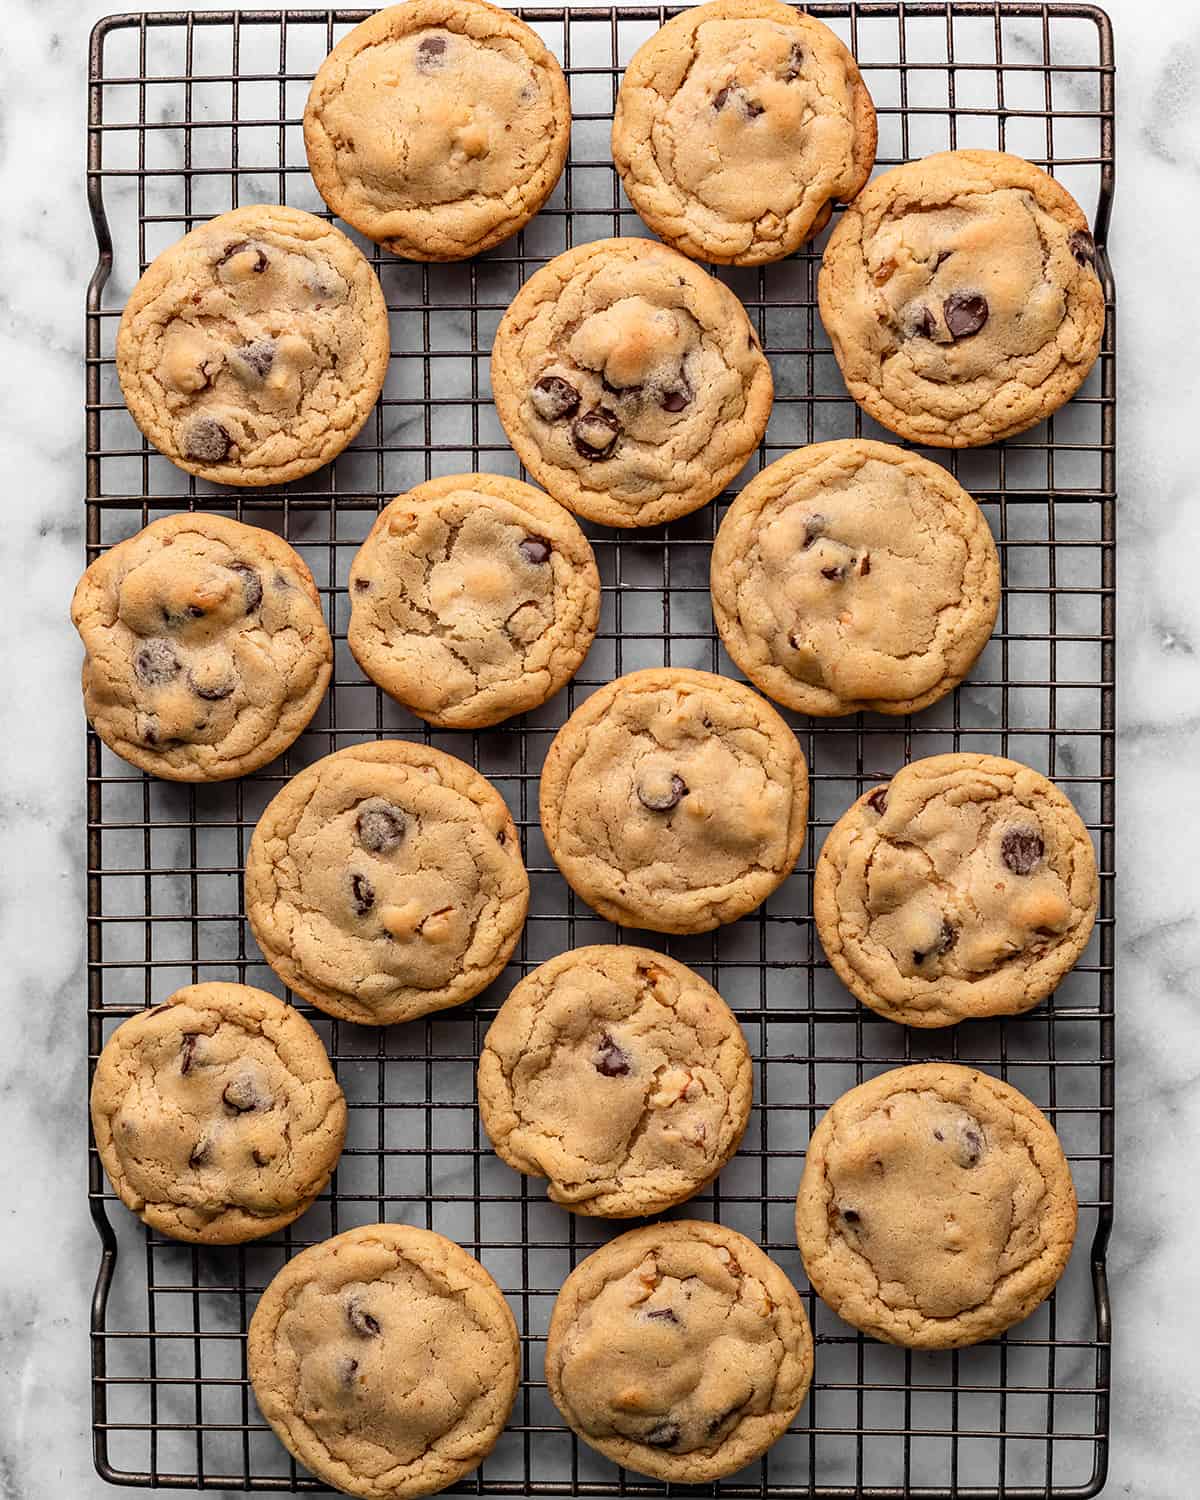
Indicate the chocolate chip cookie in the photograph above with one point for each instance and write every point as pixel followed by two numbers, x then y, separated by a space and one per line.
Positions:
pixel 936 1207
pixel 966 886
pixel 216 1114
pixel 252 351
pixel 674 800
pixel 207 653
pixel 618 1074
pixel 737 126
pixel 855 575
pixel 385 881
pixel 680 1351
pixel 961 296
pixel 386 1359
pixel 630 382
pixel 438 127
pixel 474 597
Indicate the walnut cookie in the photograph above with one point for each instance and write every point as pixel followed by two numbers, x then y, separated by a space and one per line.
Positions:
pixel 253 351
pixel 674 800
pixel 385 881
pixel 386 1359
pixel 737 126
pixel 936 1207
pixel 680 1351
pixel 438 127
pixel 630 382
pixel 216 1114
pixel 207 653
pixel 965 887
pixel 855 576
pixel 473 598
pixel 961 296
pixel 620 1075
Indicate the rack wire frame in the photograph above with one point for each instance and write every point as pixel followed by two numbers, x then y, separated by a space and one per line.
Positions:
pixel 1024 1416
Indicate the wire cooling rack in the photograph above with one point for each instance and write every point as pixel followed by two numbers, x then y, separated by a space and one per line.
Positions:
pixel 191 114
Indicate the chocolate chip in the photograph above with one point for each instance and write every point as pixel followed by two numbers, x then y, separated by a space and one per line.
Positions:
pixel 595 433
pixel 148 731
pixel 661 1315
pixel 938 1136
pixel 1022 848
pixel 363 893
pixel 795 63
pixel 155 662
pixel 205 441
pixel 662 796
pixel 261 261
pixel 362 585
pixel 251 585
pixel 850 1216
pixel 362 1322
pixel 970 1147
pixel 815 526
pixel 946 939
pixel 430 51
pixel 878 800
pixel 611 1059
pixel 187 1053
pixel 678 396
pixel 942 257
pixel 835 572
pixel 721 97
pixel 553 398
pixel 1083 247
pixel 752 109
pixel 924 325
pixel 201 1154
pixel 243 1094
pixel 719 1421
pixel 965 313
pixel 731 92
pixel 347 1369
pixel 212 692
pixel 259 1158
pixel 864 565
pixel 620 390
pixel 664 1435
pixel 260 356
pixel 535 549
pixel 380 828
pixel 194 611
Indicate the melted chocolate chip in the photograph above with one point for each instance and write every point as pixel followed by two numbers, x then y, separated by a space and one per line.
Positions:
pixel 924 325
pixel 553 398
pixel 722 96
pixel 815 526
pixel 361 1321
pixel 259 356
pixel 835 572
pixel 1022 848
pixel 1083 247
pixel 535 549
pixel 243 1095
pixel 965 313
pixel 251 585
pixel 361 585
pixel 662 1315
pixel 970 1147
pixel 722 1417
pixel 946 939
pixel 347 1369
pixel 212 692
pixel 187 1053
pixel 678 396
pixel 205 441
pixel 260 262
pixel 201 1154
pixel 662 797
pixel 864 565
pixel 732 93
pixel 380 828
pixel 611 1059
pixel 664 1435
pixel 794 63
pixel 850 1216
pixel 155 662
pixel 431 51
pixel 363 893
pixel 595 433
pixel 877 801
pixel 752 109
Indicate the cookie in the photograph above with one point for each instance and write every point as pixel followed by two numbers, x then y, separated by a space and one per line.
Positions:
pixel 438 127
pixel 966 886
pixel 737 126
pixel 207 652
pixel 386 1359
pixel 385 881
pixel 473 598
pixel 680 1351
pixel 252 351
pixel 619 1075
pixel 216 1114
pixel 961 296
pixel 936 1207
pixel 855 576
pixel 631 384
pixel 674 800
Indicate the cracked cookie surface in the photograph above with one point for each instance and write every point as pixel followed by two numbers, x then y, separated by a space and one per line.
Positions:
pixel 618 1074
pixel 854 575
pixel 679 1350
pixel 473 598
pixel 737 126
pixel 961 296
pixel 630 382
pixel 217 1116
pixel 438 127
pixel 936 1207
pixel 966 886
pixel 385 881
pixel 207 653
pixel 674 800
pixel 252 351
pixel 386 1359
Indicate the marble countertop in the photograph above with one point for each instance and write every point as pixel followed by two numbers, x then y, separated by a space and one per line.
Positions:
pixel 48 1250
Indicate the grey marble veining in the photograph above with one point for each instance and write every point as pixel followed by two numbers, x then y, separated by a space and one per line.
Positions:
pixel 49 1252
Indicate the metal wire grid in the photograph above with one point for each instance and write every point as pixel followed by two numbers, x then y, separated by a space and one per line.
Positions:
pixel 190 114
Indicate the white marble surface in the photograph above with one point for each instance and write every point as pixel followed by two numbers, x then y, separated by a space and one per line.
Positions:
pixel 47 1248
